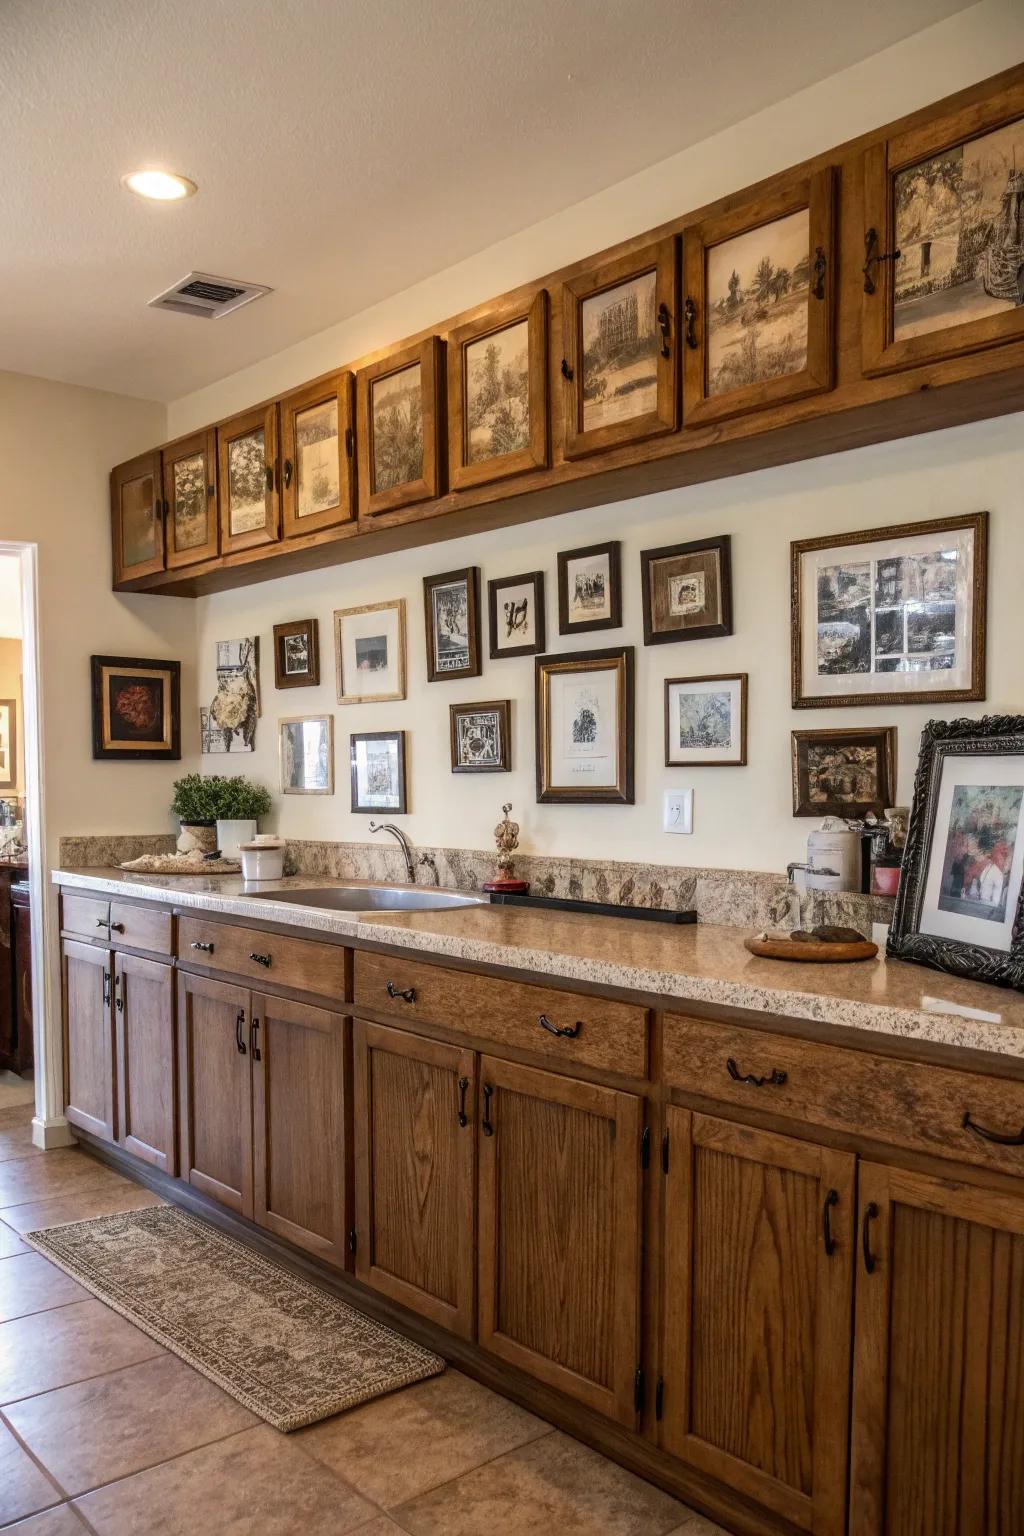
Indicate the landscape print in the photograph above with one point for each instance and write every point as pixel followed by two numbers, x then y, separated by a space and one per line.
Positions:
pixel 247 482
pixel 757 295
pixel 397 411
pixel 498 394
pixel 620 352
pixel 316 448
pixel 959 228
pixel 984 825
pixel 704 720
pixel 189 502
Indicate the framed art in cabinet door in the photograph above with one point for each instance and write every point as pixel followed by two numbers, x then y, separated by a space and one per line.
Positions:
pixel 247 472
pixel 758 302
pixel 944 236
pixel 317 462
pixel 498 394
pixel 190 497
pixel 620 360
pixel 136 510
pixel 399 410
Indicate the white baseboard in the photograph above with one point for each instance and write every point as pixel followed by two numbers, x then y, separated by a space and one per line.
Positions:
pixel 51 1133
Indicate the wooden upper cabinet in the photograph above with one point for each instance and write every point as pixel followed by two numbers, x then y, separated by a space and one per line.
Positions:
pixel 215 1097
pixel 248 480
pixel 137 521
pixel 498 393
pixel 190 499
pixel 620 351
pixel 758 302
pixel 89 1096
pixel 317 462
pixel 758 1289
pixel 559 1245
pixel 146 1059
pixel 938 1401
pixel 944 236
pixel 400 408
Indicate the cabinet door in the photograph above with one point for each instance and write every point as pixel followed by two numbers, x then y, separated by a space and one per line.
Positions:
pixel 317 463
pixel 559 1232
pixel 299 1115
pixel 137 521
pixel 144 1022
pixel 247 477
pixel 758 1283
pixel 190 499
pixel 415 1162
pixel 938 1401
pixel 215 1095
pixel 89 1039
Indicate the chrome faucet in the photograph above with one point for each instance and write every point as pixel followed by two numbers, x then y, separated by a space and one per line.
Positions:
pixel 410 863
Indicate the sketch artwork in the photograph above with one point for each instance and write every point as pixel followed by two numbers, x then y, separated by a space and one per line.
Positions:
pixel 687 594
pixel 897 614
pixel 190 511
pixel 316 449
pixel 247 482
pixel 704 720
pixel 479 739
pixel 229 725
pixel 450 603
pixel 498 393
pixel 397 419
pixel 584 720
pixel 620 352
pixel 588 589
pixel 758 287
pixel 296 655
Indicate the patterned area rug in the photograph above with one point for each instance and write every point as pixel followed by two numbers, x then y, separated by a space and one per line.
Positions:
pixel 288 1351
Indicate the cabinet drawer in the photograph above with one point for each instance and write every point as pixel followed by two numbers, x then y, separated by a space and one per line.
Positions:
pixel 300 964
pixel 604 1034
pixel 903 1103
pixel 140 927
pixel 88 916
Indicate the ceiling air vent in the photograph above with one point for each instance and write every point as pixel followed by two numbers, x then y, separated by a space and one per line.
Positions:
pixel 206 296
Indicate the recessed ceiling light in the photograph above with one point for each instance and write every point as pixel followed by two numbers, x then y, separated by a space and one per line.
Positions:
pixel 160 186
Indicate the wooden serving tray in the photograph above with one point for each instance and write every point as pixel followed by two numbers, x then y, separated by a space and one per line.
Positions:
pixel 782 947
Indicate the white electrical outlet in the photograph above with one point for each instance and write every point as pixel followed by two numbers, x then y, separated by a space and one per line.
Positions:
pixel 677 815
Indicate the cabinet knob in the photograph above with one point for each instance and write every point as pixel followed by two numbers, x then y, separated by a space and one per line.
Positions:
pixel 117 927
pixel 263 960
pixel 207 949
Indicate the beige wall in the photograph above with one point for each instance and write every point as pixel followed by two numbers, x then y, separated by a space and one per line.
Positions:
pixel 10 688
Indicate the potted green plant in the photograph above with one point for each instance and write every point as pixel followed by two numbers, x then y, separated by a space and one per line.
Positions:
pixel 218 812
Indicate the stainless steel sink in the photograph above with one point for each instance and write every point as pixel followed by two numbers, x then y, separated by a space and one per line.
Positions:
pixel 375 898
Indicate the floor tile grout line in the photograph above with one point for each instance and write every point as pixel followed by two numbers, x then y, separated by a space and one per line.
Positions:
pixel 30 1453
pixel 94 1376
pixel 165 1461
pixel 549 1429
pixel 71 1194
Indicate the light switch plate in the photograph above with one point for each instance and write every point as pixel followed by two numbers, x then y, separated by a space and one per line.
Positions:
pixel 677 815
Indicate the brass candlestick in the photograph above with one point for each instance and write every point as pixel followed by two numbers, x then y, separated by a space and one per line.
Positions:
pixel 506 838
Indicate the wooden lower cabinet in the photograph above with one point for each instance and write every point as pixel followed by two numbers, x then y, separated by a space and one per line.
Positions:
pixel 938 1416
pixel 146 1055
pixel 215 1093
pixel 89 1039
pixel 758 1293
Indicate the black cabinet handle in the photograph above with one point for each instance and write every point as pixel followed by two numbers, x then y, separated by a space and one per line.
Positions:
pixel 776 1080
pixel 254 1036
pixel 408 996
pixel 871 1211
pixel 690 317
pixel 566 370
pixel 819 269
pixel 263 960
pixel 117 927
pixel 207 949
pixel 831 1200
pixel 121 988
pixel 270 477
pixel 486 1124
pixel 995 1136
pixel 664 325
pixel 287 473
pixel 463 1087
pixel 239 1025
pixel 569 1032
pixel 106 989
pixel 872 257
pixel 103 922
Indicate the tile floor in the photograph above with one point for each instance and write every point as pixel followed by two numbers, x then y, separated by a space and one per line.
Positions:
pixel 103 1431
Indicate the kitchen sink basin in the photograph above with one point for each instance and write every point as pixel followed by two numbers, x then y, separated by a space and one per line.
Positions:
pixel 375 898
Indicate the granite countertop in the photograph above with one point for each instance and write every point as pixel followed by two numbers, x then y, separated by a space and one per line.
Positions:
pixel 700 963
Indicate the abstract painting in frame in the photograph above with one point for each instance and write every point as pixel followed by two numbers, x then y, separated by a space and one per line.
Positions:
pixel 846 772
pixel 136 709
pixel 515 611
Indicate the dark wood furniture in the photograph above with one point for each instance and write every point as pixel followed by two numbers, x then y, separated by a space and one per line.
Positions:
pixel 15 971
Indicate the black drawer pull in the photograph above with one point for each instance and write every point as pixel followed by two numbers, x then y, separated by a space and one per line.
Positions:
pixel 995 1136
pixel 831 1200
pixel 254 1039
pixel 569 1032
pixel 486 1124
pixel 463 1087
pixel 117 927
pixel 870 1261
pixel 106 989
pixel 207 949
pixel 103 922
pixel 263 960
pixel 408 996
pixel 776 1080
pixel 239 1025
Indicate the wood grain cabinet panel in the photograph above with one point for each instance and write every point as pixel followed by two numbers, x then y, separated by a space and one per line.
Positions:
pixel 301 964
pixel 559 1247
pixel 146 1059
pixel 139 927
pixel 248 480
pixel 938 1403
pixel 190 499
pixel 758 1287
pixel 215 1095
pixel 86 917
pixel 89 1098
pixel 137 517
pixel 317 457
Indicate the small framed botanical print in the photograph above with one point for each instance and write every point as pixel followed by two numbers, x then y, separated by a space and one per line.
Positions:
pixel 706 721
pixel 297 654
pixel 369 652
pixel 960 904
pixel 190 494
pixel 480 737
pixel 498 394
pixel 515 610
pixel 136 709
pixel 452 611
pixel 585 705
pixel 590 588
pixel 891 615
pixel 317 466
pixel 307 754
pixel 687 591
pixel 8 743
pixel 844 772
pixel 620 359
pixel 377 764
pixel 247 480
pixel 398 408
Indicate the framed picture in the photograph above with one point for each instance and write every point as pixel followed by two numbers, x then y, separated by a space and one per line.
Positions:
pixel 942 248
pixel 706 721
pixel 840 772
pixel 247 480
pixel 959 906
pixel 515 612
pixel 481 737
pixel 307 754
pixel 759 302
pixel 8 743
pixel 585 712
pixel 498 394
pixel 590 588
pixel 369 652
pixel 620 362
pixel 377 762
pixel 229 724
pixel 451 606
pixel 317 467
pixel 297 654
pixel 136 709
pixel 190 497
pixel 398 401
pixel 891 615
pixel 687 591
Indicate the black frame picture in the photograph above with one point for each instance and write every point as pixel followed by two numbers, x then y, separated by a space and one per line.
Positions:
pixel 852 740
pixel 403 800
pixel 148 686
pixel 535 581
pixel 548 670
pixel 299 629
pixel 496 760
pixel 692 612
pixel 437 670
pixel 612 552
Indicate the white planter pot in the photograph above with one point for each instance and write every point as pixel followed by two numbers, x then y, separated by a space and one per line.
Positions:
pixel 232 834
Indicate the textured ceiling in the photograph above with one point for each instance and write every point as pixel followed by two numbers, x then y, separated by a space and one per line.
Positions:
pixel 343 150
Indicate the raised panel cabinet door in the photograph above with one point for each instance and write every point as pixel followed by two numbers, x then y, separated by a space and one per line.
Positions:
pixel 190 499
pixel 559 1216
pixel 137 517
pixel 415 1165
pixel 300 1093
pixel 758 1293
pixel 938 1398
pixel 89 1096
pixel 146 1060
pixel 215 1092
pixel 317 457
pixel 248 480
